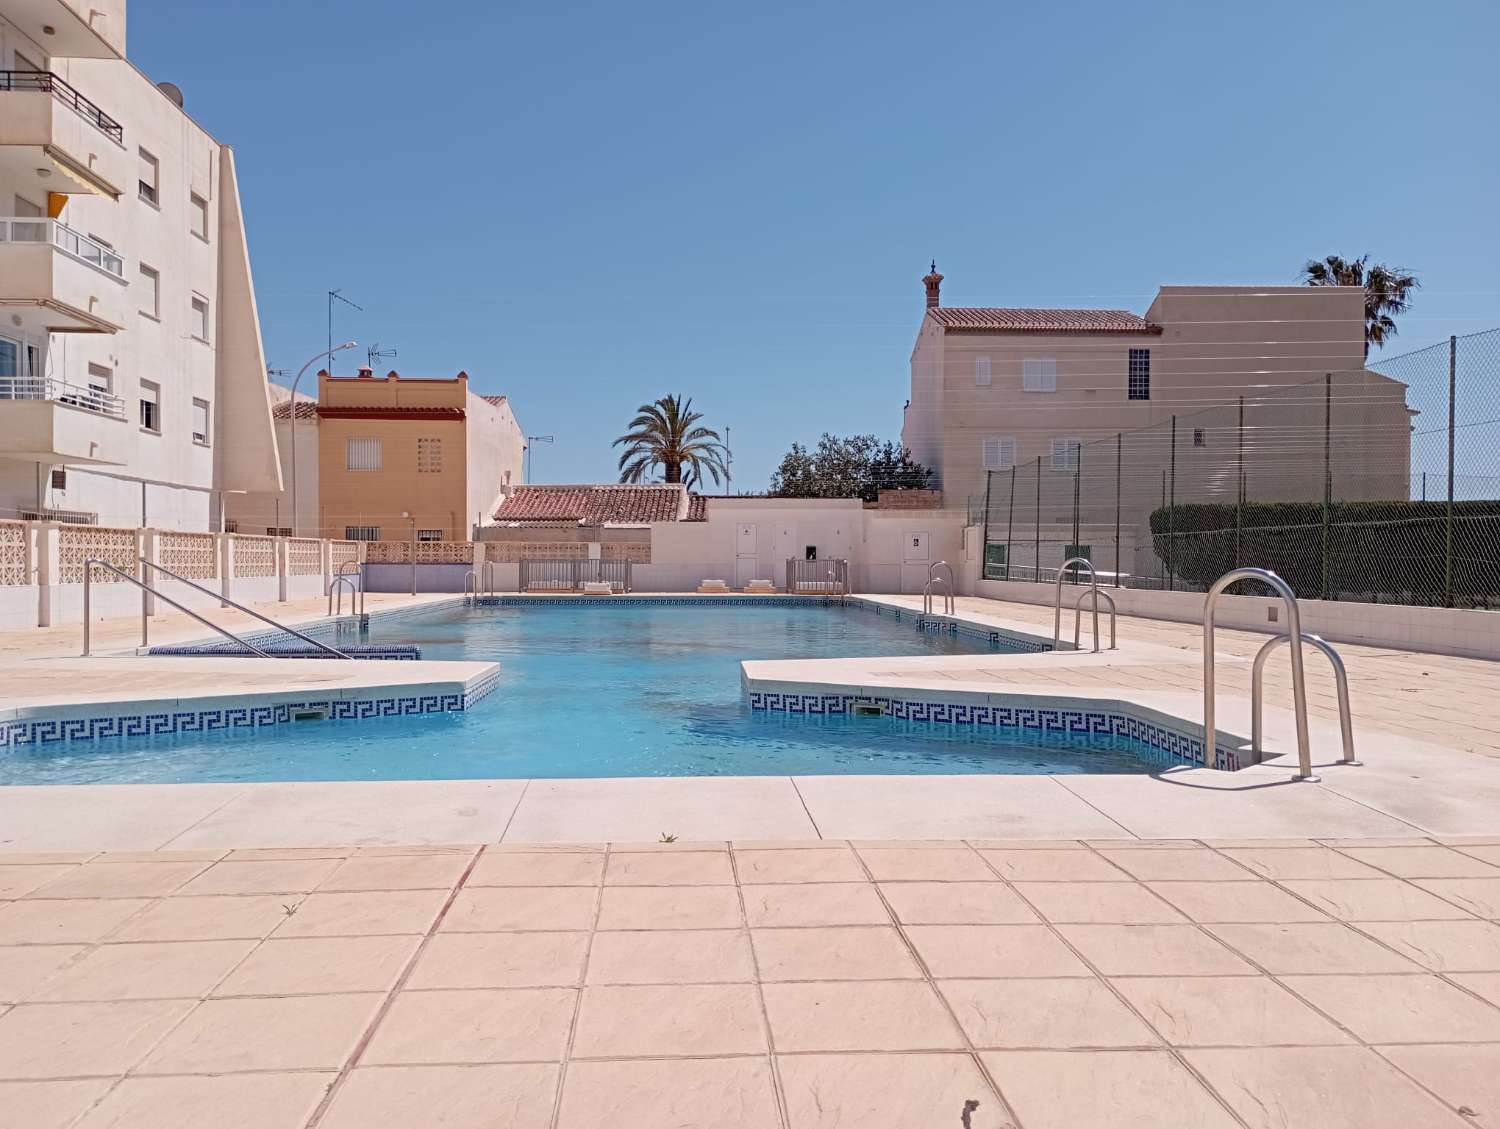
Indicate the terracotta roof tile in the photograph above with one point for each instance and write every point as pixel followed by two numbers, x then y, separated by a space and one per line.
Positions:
pixel 597 505
pixel 496 400
pixel 306 409
pixel 991 319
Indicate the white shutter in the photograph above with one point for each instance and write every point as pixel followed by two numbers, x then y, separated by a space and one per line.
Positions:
pixel 1039 374
pixel 362 453
pixel 999 452
pixel 1065 454
pixel 981 372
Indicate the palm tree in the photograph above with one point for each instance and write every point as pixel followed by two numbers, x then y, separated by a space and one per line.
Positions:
pixel 666 434
pixel 1387 290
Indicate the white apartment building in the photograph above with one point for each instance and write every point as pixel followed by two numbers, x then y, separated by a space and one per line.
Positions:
pixel 129 338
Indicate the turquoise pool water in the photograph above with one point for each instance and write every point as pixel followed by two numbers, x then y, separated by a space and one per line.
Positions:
pixel 591 690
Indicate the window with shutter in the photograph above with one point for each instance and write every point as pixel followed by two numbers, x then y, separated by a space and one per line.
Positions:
pixel 999 452
pixel 1039 374
pixel 362 453
pixel 200 422
pixel 1065 454
pixel 981 372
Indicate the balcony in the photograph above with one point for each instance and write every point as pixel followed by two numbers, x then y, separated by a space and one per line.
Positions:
pixel 48 129
pixel 57 280
pixel 72 29
pixel 50 421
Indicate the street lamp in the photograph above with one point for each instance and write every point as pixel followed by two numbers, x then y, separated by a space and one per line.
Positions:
pixel 326 353
pixel 412 518
pixel 530 439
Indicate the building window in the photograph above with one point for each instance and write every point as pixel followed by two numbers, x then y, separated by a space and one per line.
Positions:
pixel 429 456
pixel 278 531
pixel 151 406
pixel 1039 374
pixel 362 453
pixel 429 535
pixel 1065 454
pixel 150 179
pixel 60 478
pixel 981 372
pixel 361 533
pixel 999 452
pixel 200 317
pixel 1199 439
pixel 200 422
pixel 198 215
pixel 150 292
pixel 101 383
pixel 1140 374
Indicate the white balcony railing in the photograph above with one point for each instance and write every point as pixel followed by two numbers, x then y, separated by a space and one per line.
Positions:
pixel 61 392
pixel 39 229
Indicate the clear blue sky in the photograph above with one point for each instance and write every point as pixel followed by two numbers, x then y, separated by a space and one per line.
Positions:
pixel 587 206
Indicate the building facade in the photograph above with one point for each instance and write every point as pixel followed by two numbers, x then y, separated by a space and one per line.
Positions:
pixel 129 334
pixel 388 458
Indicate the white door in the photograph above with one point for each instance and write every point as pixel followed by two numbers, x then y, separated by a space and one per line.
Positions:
pixel 745 536
pixel 746 562
pixel 745 569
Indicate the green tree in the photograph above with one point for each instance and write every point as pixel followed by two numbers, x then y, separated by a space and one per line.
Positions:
pixel 1388 290
pixel 667 434
pixel 859 466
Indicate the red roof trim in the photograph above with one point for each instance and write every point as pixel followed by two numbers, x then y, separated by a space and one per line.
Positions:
pixel 389 413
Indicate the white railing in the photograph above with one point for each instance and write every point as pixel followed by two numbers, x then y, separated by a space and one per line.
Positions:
pixel 39 229
pixel 61 392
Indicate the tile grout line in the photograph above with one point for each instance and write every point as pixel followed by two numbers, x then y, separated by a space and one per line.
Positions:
pixel 805 809
pixel 582 982
pixel 778 1089
pixel 353 1058
pixel 504 831
pixel 167 843
pixel 1089 803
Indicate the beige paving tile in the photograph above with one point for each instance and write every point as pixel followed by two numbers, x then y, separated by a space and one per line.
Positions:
pixel 1424 862
pixel 1485 985
pixel 122 880
pixel 474 1025
pixel 240 1101
pixel 1044 1013
pixel 1243 1011
pixel 256 854
pixel 669 868
pixel 1195 865
pixel 512 1095
pixel 864 1015
pixel 1254 844
pixel 1153 950
pixel 77 858
pixel 145 970
pixel 1111 903
pixel 1465 1077
pixel 1443 946
pixel 670 907
pixel 726 1093
pixel 925 864
pixel 494 908
pixel 672 956
pixel 1119 1089
pixel 293 1033
pixel 1385 899
pixel 1477 895
pixel 1029 844
pixel 501 960
pixel 1400 1009
pixel 811 865
pixel 1487 851
pixel 210 918
pixel 963 951
pixel 1236 902
pixel 1318 1088
pixel 310 965
pixel 362 913
pixel 793 844
pixel 398 872
pixel 833 953
pixel 18 881
pixel 956 903
pixel 554 868
pixel 79 921
pixel 818 903
pixel 672 1019
pixel 289 876
pixel 47 1105
pixel 1310 862
pixel 1310 947
pixel 75 1040
pixel 25 968
pixel 886 1091
pixel 1054 866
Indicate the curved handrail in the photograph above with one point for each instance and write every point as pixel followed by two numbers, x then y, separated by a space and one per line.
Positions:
pixel 339 583
pixel 354 589
pixel 1341 681
pixel 1294 635
pixel 950 604
pixel 1097 592
pixel 88 574
pixel 241 607
pixel 1057 598
pixel 474 576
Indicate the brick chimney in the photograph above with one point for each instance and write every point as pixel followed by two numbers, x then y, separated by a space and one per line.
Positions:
pixel 365 372
pixel 933 281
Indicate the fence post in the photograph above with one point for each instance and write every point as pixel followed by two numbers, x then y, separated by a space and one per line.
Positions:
pixel 1119 456
pixel 1037 529
pixel 1327 470
pixel 984 540
pixel 1448 516
pixel 1239 490
pixel 1172 516
pixel 1077 486
pixel 1010 521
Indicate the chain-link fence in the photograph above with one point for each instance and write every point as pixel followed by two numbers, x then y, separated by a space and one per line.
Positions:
pixel 1379 484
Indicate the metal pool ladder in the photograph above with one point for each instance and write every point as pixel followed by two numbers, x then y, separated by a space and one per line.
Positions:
pixel 1057 603
pixel 345 579
pixel 1293 638
pixel 950 606
pixel 1097 593
pixel 1340 677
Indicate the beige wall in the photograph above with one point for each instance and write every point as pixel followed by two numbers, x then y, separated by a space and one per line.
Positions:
pixel 495 452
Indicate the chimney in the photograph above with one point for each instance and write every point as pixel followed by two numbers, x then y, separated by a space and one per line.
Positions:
pixel 366 372
pixel 933 281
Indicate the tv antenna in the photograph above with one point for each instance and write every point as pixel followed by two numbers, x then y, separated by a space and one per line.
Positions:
pixel 332 294
pixel 376 353
pixel 530 440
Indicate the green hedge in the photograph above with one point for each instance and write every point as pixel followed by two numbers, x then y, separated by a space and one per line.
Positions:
pixel 1395 550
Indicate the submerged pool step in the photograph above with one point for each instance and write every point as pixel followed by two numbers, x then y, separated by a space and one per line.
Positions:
pixel 297 651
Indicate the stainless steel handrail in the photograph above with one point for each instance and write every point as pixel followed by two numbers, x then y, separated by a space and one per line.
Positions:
pixel 1341 681
pixel 1057 598
pixel 359 570
pixel 1097 593
pixel 950 603
pixel 474 576
pixel 1294 638
pixel 241 607
pixel 88 583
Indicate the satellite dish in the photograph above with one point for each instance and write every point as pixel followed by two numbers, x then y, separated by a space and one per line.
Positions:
pixel 172 91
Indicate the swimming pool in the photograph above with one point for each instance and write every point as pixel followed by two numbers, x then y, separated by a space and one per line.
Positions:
pixel 594 689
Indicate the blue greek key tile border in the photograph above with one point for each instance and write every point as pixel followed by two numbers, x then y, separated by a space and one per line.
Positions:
pixel 626 601
pixel 1013 641
pixel 1169 744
